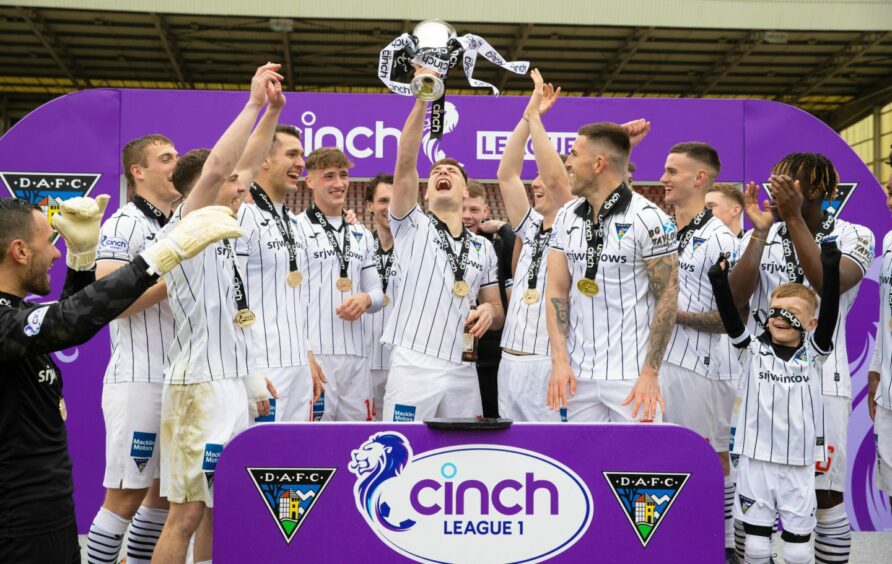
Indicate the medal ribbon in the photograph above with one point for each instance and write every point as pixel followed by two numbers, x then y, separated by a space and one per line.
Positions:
pixel 383 260
pixel 459 265
pixel 263 202
pixel 685 235
pixel 238 285
pixel 539 245
pixel 149 210
pixel 794 269
pixel 594 232
pixel 316 216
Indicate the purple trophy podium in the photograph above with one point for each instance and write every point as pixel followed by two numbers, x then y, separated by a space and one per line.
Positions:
pixel 530 493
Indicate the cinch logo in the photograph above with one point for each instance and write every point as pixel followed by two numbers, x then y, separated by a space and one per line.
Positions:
pixel 48 189
pixel 290 493
pixel 444 504
pixel 646 498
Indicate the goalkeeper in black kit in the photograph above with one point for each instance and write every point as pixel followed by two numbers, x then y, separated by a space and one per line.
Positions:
pixel 37 521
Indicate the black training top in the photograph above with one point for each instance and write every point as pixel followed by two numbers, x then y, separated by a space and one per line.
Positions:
pixel 35 468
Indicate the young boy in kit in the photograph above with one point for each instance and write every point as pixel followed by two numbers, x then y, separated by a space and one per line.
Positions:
pixel 780 434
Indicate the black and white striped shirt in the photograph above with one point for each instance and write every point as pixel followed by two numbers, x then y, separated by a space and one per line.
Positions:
pixel 782 412
pixel 855 242
pixel 280 327
pixel 881 361
pixel 525 327
pixel 139 343
pixel 328 333
pixel 688 347
pixel 208 345
pixel 427 317
pixel 379 353
pixel 609 332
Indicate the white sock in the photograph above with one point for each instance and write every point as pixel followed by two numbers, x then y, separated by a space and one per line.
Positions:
pixel 797 552
pixel 729 513
pixel 833 535
pixel 144 533
pixel 758 550
pixel 739 538
pixel 105 537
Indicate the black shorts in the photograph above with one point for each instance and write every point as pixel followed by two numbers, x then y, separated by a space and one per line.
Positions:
pixel 54 547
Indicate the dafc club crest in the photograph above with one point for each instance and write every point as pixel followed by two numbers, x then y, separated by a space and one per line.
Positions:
pixel 646 498
pixel 844 191
pixel 290 493
pixel 48 189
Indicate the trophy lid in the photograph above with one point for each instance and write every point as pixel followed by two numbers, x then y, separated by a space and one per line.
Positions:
pixel 434 33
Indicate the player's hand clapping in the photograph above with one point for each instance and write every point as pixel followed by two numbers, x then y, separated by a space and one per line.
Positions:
pixel 787 196
pixel 762 217
pixel 264 82
pixel 542 99
pixel 78 223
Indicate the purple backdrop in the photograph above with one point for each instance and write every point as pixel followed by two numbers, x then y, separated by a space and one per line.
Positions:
pixel 85 131
pixel 335 526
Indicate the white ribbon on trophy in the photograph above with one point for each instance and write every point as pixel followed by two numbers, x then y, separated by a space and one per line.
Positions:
pixel 434 45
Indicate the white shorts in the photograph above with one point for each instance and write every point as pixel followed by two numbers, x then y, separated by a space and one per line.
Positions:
pixel 349 387
pixel 420 387
pixel 523 388
pixel 132 413
pixel 724 396
pixel 882 426
pixel 294 385
pixel 768 489
pixel 735 417
pixel 832 473
pixel 690 402
pixel 379 383
pixel 601 401
pixel 197 421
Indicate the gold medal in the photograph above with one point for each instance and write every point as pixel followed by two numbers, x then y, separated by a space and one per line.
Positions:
pixel 460 288
pixel 386 299
pixel 531 296
pixel 245 318
pixel 63 410
pixel 343 284
pixel 294 278
pixel 587 287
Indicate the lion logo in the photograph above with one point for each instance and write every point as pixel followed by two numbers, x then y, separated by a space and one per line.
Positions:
pixel 431 146
pixel 379 459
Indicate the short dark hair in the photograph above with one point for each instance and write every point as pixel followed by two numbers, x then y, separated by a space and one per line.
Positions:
pixel 327 157
pixel 284 129
pixel 614 136
pixel 476 190
pixel 453 162
pixel 188 170
pixel 380 178
pixel 729 191
pixel 812 170
pixel 16 222
pixel 135 153
pixel 703 153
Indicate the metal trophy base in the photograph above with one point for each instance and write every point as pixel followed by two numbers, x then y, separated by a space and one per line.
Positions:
pixel 468 423
pixel 427 87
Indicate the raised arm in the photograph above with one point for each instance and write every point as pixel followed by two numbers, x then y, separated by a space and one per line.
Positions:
pixel 262 138
pixel 225 155
pixel 721 289
pixel 788 197
pixel 744 278
pixel 405 173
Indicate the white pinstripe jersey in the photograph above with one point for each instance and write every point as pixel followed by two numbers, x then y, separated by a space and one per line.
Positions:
pixel 609 332
pixel 427 317
pixel 882 351
pixel 139 343
pixel 208 345
pixel 688 347
pixel 279 331
pixel 855 242
pixel 525 328
pixel 782 411
pixel 328 333
pixel 379 353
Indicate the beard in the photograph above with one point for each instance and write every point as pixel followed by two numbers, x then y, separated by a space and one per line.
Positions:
pixel 37 280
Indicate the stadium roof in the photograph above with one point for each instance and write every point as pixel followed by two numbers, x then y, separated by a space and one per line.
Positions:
pixel 837 75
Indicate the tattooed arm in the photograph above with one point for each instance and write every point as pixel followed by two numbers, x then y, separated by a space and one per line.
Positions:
pixel 557 308
pixel 707 321
pixel 663 275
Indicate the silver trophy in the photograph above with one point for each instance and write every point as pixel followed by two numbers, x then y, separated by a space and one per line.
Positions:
pixel 434 40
